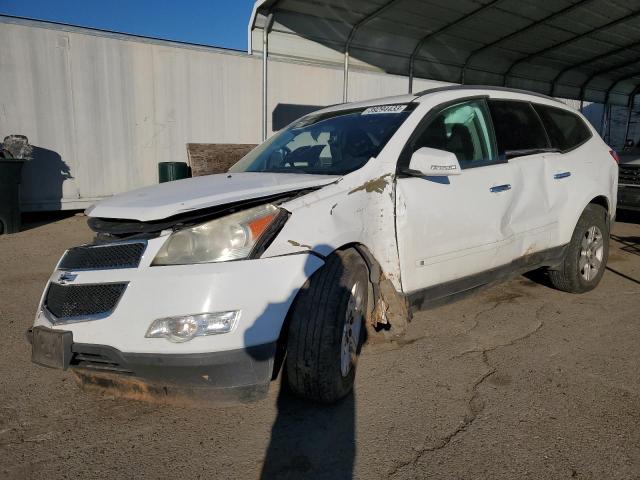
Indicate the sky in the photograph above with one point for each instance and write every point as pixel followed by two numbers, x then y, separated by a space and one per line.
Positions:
pixel 220 23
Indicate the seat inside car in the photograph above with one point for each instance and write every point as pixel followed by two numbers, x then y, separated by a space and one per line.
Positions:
pixel 461 143
pixel 434 136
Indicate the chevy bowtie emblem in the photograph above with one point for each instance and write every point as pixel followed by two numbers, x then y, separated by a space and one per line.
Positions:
pixel 66 278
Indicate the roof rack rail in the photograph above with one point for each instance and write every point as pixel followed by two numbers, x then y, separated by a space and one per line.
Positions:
pixel 483 87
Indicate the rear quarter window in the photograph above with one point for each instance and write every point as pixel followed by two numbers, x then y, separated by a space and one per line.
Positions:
pixel 518 128
pixel 565 129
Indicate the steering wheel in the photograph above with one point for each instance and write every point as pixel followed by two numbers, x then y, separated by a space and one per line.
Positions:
pixel 293 155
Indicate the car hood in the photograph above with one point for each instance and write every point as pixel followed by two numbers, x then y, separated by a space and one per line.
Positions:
pixel 172 198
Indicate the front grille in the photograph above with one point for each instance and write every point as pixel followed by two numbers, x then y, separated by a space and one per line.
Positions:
pixel 629 174
pixel 67 302
pixel 100 257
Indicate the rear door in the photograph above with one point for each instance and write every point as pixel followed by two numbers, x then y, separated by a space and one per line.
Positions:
pixel 567 164
pixel 523 142
pixel 452 227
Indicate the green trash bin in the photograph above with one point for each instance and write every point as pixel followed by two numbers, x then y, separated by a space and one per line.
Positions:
pixel 10 174
pixel 168 171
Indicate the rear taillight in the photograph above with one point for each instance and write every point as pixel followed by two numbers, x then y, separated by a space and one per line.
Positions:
pixel 615 156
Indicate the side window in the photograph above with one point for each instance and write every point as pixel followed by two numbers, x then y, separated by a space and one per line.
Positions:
pixel 518 128
pixel 565 129
pixel 463 129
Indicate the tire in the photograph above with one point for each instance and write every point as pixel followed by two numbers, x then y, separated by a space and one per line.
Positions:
pixel 330 308
pixel 586 255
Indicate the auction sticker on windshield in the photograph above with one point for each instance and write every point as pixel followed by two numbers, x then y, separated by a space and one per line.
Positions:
pixel 384 109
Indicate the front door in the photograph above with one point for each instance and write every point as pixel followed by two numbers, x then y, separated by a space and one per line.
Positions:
pixel 453 227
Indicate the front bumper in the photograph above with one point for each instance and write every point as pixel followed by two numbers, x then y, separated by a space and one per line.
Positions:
pixel 629 197
pixel 109 351
pixel 261 289
pixel 235 375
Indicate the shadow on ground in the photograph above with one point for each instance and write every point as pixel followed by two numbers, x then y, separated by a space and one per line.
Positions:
pixel 32 220
pixel 630 244
pixel 311 441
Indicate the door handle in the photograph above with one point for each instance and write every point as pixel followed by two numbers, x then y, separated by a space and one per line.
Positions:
pixel 558 176
pixel 500 188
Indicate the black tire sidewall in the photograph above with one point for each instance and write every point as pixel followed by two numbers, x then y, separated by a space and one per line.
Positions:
pixel 317 321
pixel 352 274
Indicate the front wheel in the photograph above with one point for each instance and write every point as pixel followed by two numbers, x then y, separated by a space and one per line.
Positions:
pixel 326 329
pixel 586 255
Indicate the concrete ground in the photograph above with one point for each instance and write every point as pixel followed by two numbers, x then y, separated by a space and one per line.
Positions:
pixel 520 381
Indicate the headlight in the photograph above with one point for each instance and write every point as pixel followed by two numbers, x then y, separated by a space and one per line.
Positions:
pixel 183 329
pixel 226 238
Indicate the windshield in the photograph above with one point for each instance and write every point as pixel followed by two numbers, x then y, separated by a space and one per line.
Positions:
pixel 332 143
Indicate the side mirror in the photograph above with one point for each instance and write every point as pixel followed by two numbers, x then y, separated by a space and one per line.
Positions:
pixel 431 162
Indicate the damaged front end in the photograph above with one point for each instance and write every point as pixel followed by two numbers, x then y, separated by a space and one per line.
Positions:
pixel 161 310
pixel 388 313
pixel 116 229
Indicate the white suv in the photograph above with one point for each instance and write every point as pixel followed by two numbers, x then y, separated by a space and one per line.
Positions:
pixel 343 223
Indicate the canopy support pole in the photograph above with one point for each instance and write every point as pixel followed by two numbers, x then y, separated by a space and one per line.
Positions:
pixel 609 123
pixel 606 122
pixel 626 129
pixel 632 102
pixel 410 76
pixel 347 45
pixel 412 61
pixel 345 79
pixel 265 51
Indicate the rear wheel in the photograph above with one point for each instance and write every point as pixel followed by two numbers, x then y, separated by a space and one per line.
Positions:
pixel 586 255
pixel 326 329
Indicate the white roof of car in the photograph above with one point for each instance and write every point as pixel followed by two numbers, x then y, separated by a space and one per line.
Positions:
pixel 464 90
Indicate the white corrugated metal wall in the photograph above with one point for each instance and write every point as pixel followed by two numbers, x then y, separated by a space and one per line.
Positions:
pixel 104 109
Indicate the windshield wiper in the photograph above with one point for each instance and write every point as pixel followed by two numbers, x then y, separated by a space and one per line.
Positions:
pixel 299 171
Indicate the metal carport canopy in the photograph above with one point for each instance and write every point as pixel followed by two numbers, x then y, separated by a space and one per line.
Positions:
pixel 577 49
